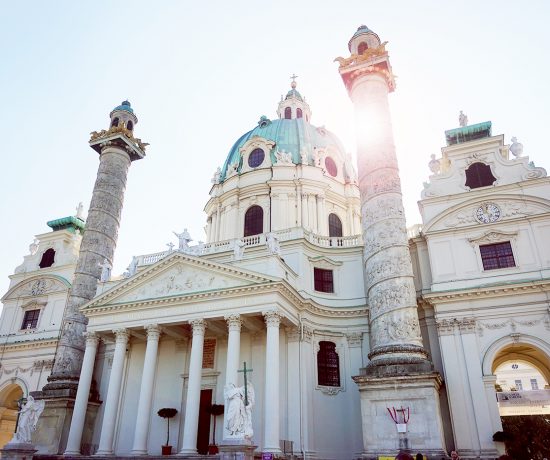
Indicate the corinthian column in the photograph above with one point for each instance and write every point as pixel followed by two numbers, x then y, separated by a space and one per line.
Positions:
pixel 191 424
pixel 271 420
pixel 395 331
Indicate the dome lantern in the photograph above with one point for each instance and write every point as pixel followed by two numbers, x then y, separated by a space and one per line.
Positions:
pixel 294 105
pixel 123 115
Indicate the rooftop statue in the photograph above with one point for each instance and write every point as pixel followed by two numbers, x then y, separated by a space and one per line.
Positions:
pixel 238 249
pixel 184 239
pixel 434 165
pixel 516 148
pixel 462 119
pixel 80 211
pixel 106 268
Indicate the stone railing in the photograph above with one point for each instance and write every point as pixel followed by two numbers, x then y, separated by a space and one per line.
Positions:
pixel 259 240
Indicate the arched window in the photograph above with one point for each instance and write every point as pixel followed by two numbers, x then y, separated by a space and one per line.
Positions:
pixel 48 258
pixel 298 113
pixel 288 113
pixel 479 175
pixel 362 48
pixel 328 365
pixel 334 226
pixel 130 125
pixel 114 122
pixel 254 221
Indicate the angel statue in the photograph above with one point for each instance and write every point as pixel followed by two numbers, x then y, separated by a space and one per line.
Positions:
pixel 28 418
pixel 239 415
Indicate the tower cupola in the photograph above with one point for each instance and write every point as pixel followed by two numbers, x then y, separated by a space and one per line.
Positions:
pixel 294 105
pixel 123 115
pixel 362 40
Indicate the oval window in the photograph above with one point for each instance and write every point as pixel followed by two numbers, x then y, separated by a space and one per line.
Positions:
pixel 256 158
pixel 332 169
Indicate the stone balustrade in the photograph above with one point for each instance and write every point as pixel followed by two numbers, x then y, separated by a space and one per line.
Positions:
pixel 260 240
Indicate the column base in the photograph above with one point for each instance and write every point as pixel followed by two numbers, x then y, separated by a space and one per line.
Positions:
pixel 238 449
pixel 104 453
pixel 17 451
pixel 420 394
pixel 184 452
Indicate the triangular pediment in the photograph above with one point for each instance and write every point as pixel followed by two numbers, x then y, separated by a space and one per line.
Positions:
pixel 175 276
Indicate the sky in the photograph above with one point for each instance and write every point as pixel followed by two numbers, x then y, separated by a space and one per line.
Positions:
pixel 200 74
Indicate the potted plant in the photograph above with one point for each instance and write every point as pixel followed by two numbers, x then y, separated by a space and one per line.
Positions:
pixel 214 410
pixel 167 413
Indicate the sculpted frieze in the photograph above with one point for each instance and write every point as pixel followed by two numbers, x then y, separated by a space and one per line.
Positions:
pixel 180 280
pixel 400 326
pixel 385 234
pixel 381 181
pixel 383 208
pixel 392 294
pixel 390 263
pixel 508 209
pixel 38 287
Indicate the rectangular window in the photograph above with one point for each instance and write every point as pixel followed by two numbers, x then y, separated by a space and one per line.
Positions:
pixel 323 280
pixel 30 320
pixel 518 384
pixel 534 384
pixel 498 255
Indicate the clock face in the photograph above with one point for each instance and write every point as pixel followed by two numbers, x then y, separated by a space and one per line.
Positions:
pixel 487 213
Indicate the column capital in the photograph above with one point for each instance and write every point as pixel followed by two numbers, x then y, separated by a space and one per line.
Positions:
pixel 198 326
pixel 467 325
pixel 92 339
pixel 121 335
pixel 355 339
pixel 272 318
pixel 234 322
pixel 153 331
pixel 445 326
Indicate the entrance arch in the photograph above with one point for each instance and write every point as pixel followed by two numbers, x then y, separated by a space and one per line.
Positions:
pixel 9 395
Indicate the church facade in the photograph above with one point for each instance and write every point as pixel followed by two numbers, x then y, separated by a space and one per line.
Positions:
pixel 302 291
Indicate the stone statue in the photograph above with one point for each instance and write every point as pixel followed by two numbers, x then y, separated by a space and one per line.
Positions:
pixel 272 243
pixel 170 246
pixel 28 417
pixel 80 211
pixel 184 238
pixel 199 248
pixel 239 417
pixel 303 157
pixel 462 119
pixel 132 268
pixel 238 249
pixel 516 148
pixel 283 157
pixel 106 268
pixel 350 169
pixel 33 247
pixel 434 165
pixel 316 158
pixel 217 176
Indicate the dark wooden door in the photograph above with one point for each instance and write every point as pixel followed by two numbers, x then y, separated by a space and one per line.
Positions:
pixel 203 436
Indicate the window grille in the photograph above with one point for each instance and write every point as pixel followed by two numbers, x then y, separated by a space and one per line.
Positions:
pixel 497 255
pixel 328 365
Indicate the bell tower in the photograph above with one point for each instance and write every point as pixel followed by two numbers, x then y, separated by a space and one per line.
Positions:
pixel 117 148
pixel 399 373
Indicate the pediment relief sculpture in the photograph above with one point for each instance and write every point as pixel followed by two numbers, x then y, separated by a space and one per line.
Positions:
pixel 37 287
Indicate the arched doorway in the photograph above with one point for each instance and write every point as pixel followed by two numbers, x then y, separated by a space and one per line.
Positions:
pixel 522 375
pixel 9 395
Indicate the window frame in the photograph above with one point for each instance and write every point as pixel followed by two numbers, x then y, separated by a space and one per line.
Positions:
pixel 31 309
pixel 486 167
pixel 498 257
pixel 329 226
pixel 321 271
pixel 245 222
pixel 49 251
pixel 341 351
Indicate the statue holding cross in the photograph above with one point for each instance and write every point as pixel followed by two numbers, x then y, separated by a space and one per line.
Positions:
pixel 239 402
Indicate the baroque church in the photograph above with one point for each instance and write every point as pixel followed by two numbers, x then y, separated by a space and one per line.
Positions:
pixel 352 335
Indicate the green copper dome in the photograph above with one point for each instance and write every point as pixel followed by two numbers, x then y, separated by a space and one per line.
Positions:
pixel 289 135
